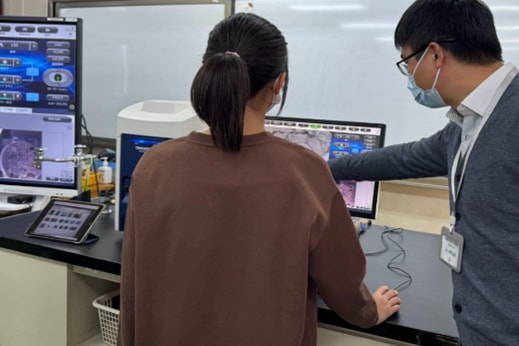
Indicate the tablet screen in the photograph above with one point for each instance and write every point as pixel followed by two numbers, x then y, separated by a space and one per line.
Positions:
pixel 68 221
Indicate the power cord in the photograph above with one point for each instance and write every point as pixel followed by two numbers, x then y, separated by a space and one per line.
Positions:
pixel 389 235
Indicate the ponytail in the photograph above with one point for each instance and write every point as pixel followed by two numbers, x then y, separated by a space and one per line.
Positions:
pixel 219 93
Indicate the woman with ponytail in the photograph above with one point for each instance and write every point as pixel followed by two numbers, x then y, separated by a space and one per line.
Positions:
pixel 230 233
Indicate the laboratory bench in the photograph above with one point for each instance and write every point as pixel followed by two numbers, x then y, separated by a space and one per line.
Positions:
pixel 47 287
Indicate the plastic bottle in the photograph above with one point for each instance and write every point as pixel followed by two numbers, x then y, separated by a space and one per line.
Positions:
pixel 106 172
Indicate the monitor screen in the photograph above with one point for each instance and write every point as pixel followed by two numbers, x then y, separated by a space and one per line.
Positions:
pixel 39 104
pixel 331 139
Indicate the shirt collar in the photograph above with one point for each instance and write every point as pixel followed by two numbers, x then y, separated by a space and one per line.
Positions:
pixel 479 101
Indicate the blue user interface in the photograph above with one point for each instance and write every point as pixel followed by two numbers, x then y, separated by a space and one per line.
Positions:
pixel 39 99
pixel 38 66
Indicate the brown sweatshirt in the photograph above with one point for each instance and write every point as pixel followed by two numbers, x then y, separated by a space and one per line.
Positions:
pixel 231 248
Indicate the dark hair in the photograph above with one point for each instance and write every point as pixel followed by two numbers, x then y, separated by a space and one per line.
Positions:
pixel 244 52
pixel 466 25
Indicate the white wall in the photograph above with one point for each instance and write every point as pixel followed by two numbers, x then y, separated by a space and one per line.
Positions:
pixel 341 62
pixel 400 206
pixel 25 7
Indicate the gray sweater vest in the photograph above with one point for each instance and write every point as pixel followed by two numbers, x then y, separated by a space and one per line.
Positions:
pixel 486 291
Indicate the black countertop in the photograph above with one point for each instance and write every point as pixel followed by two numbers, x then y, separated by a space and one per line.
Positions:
pixel 425 317
pixel 103 255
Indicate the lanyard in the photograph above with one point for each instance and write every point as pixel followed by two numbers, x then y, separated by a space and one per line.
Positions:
pixel 456 190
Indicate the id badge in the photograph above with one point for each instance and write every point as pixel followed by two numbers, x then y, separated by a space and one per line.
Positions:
pixel 451 248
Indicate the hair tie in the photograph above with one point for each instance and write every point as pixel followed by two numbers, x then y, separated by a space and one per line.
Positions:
pixel 232 53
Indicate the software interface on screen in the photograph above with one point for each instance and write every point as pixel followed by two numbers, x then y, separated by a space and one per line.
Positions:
pixel 38 100
pixel 64 221
pixel 332 139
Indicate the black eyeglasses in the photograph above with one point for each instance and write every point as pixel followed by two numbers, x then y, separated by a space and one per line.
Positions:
pixel 403 65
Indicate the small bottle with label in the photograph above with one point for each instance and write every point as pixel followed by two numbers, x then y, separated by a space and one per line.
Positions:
pixel 106 172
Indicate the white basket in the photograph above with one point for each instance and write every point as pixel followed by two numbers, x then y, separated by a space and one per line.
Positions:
pixel 108 317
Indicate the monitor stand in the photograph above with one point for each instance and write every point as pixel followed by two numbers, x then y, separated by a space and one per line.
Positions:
pixel 6 207
pixel 11 207
pixel 40 202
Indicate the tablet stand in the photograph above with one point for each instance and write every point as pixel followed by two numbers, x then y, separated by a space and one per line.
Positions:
pixel 91 238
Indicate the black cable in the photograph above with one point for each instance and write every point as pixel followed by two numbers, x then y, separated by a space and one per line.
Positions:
pixel 90 139
pixel 384 242
pixel 388 235
pixel 400 255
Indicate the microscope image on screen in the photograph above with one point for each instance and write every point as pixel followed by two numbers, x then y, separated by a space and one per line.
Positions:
pixel 316 141
pixel 17 154
pixel 347 189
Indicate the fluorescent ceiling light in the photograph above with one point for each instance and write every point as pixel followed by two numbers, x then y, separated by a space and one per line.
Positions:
pixel 368 25
pixel 311 8
pixel 507 27
pixel 504 8
pixel 384 39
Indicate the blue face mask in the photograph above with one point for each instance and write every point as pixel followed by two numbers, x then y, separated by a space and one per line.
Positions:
pixel 430 98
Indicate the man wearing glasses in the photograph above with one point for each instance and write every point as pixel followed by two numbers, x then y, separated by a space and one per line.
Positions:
pixel 451 56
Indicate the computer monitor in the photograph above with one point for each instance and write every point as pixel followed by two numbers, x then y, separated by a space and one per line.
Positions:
pixel 331 139
pixel 40 105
